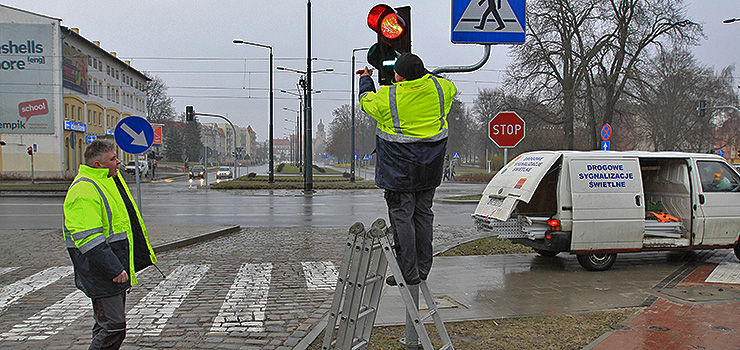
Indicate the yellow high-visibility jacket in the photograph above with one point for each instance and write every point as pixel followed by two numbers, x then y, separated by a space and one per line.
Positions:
pixel 409 111
pixel 99 235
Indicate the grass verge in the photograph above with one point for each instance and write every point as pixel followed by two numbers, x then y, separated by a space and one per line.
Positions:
pixel 487 246
pixel 546 332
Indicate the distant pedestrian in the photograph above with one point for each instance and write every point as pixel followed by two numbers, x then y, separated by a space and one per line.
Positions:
pixel 101 226
pixel 154 167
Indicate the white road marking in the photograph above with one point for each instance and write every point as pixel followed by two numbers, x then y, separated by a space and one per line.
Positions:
pixel 725 272
pixel 4 270
pixel 320 275
pixel 15 291
pixel 244 307
pixel 150 315
pixel 51 320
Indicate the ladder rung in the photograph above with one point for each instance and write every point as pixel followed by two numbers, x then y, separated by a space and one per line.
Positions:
pixel 366 312
pixel 428 315
pixel 360 345
pixel 373 279
pixel 447 346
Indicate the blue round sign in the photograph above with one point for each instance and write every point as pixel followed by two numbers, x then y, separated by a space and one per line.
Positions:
pixel 134 134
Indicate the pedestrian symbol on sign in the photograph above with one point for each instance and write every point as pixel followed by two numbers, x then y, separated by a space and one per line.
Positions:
pixel 491 9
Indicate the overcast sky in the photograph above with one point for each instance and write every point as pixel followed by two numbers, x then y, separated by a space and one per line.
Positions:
pixel 189 44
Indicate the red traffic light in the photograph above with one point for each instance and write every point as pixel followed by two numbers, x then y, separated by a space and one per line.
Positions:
pixel 29 150
pixel 384 20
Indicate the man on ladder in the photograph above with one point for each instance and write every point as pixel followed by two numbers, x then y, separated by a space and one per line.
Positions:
pixel 411 141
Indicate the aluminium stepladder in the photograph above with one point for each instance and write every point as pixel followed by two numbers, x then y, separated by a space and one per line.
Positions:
pixel 360 281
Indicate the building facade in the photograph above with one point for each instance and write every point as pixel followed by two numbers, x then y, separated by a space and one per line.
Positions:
pixel 58 92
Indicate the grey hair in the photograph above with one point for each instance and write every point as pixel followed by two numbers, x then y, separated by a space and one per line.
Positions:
pixel 96 151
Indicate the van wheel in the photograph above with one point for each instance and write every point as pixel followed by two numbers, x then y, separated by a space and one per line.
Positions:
pixel 737 250
pixel 596 262
pixel 547 253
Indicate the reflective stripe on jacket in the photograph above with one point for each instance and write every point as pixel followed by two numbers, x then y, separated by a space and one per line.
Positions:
pixel 409 111
pixel 98 235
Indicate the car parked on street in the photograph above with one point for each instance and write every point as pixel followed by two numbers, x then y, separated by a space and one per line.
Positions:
pixel 224 172
pixel 131 168
pixel 197 171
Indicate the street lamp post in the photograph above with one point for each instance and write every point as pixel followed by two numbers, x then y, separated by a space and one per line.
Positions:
pixel 352 150
pixel 272 150
pixel 299 147
pixel 304 82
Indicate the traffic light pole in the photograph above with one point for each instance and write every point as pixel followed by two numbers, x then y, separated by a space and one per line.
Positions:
pixel 462 69
pixel 353 98
pixel 308 170
pixel 32 178
pixel 232 128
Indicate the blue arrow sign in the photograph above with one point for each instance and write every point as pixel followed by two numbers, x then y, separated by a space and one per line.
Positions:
pixel 488 21
pixel 456 155
pixel 605 145
pixel 721 153
pixel 134 134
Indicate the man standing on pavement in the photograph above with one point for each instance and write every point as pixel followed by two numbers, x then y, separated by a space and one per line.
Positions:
pixel 106 240
pixel 411 139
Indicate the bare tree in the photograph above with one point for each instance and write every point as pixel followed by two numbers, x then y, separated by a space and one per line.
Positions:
pixel 638 26
pixel 554 60
pixel 158 103
pixel 580 55
pixel 340 131
pixel 666 99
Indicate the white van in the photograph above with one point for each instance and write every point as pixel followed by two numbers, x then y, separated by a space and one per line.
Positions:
pixel 600 203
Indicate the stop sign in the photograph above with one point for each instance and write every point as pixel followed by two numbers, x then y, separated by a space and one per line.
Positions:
pixel 506 129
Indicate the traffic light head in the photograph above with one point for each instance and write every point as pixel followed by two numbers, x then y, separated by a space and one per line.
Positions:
pixel 394 38
pixel 29 150
pixel 385 21
pixel 189 113
pixel 702 108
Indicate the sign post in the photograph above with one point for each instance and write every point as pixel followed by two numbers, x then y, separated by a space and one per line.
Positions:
pixel 506 130
pixel 134 135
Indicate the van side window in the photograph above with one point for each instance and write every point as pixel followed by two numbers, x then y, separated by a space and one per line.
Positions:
pixel 717 177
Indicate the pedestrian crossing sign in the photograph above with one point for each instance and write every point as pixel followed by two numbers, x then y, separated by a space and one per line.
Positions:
pixel 488 21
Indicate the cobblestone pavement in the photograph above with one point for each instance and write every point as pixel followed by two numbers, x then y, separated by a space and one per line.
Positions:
pixel 260 288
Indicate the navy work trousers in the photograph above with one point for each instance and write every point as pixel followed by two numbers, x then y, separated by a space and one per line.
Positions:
pixel 412 219
pixel 110 322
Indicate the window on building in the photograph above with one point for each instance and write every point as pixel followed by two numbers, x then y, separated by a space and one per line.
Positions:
pixel 80 117
pixel 89 117
pixel 66 111
pixel 89 60
pixel 73 113
pixel 117 75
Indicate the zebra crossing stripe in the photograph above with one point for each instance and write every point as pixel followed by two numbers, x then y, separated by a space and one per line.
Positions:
pixel 150 315
pixel 15 291
pixel 320 275
pixel 244 307
pixel 51 320
pixel 4 270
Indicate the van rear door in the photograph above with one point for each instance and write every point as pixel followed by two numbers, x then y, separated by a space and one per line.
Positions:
pixel 515 182
pixel 608 204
